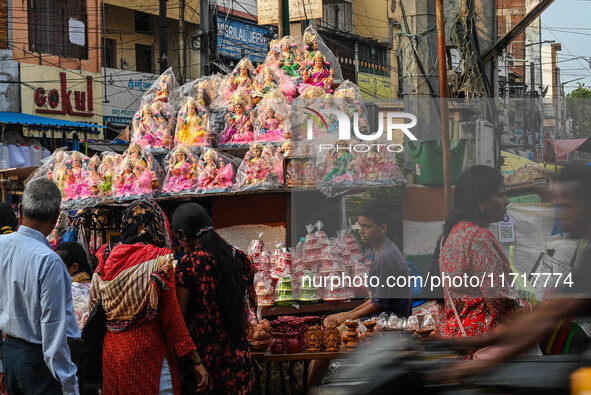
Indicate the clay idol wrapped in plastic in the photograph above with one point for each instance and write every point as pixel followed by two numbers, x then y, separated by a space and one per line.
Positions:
pixel 268 80
pixel 192 125
pixel 150 128
pixel 106 172
pixel 241 77
pixel 339 165
pixel 77 183
pixel 138 175
pixel 216 172
pixel 289 57
pixel 56 168
pixel 70 171
pixel 239 130
pixel 181 176
pixel 319 73
pixel 272 120
pixel 258 169
pixel 378 166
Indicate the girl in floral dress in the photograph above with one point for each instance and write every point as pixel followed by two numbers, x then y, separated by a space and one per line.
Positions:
pixel 214 282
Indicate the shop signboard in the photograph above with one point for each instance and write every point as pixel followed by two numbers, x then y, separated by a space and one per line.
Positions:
pixel 267 11
pixel 60 93
pixel 237 38
pixel 374 86
pixel 124 90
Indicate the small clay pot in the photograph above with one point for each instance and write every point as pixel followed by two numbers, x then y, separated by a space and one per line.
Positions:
pixel 260 346
pixel 277 346
pixel 292 343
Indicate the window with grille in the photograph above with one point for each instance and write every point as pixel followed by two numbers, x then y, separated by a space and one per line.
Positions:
pixel 338 16
pixel 144 58
pixel 58 27
pixel 142 22
pixel 110 53
pixel 373 59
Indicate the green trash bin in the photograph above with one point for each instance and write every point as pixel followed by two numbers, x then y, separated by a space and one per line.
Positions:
pixel 426 160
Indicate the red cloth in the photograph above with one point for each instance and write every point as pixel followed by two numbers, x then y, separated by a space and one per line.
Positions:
pixel 126 256
pixel 132 359
pixel 566 146
pixel 473 250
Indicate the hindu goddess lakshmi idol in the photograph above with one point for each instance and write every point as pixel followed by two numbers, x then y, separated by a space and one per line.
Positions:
pixel 181 173
pixel 192 126
pixel 213 173
pixel 239 128
pixel 318 73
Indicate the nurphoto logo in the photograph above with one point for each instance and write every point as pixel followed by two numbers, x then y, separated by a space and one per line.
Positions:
pixel 394 121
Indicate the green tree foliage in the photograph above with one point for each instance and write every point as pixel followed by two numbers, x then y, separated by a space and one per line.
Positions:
pixel 578 107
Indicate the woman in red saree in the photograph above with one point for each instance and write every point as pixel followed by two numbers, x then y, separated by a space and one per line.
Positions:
pixel 469 248
pixel 146 331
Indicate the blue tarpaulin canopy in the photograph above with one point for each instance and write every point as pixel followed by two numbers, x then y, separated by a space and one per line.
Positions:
pixel 17 118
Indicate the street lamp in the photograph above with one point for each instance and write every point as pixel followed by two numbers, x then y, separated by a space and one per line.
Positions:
pixel 541 42
pixel 576 79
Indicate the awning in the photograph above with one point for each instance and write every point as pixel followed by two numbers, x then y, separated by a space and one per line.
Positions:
pixel 17 118
pixel 563 147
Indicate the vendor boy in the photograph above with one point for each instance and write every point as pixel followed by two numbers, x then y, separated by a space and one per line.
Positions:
pixel 387 261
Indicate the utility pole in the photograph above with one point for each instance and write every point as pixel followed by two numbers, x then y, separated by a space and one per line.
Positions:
pixel 532 94
pixel 204 22
pixel 182 61
pixel 283 28
pixel 443 99
pixel 163 44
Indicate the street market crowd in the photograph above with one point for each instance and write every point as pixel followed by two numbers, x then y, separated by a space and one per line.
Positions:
pixel 156 326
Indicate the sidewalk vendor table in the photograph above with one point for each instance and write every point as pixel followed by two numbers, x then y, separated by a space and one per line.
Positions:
pixel 312 308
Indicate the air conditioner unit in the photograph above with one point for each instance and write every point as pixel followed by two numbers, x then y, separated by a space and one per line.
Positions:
pixel 480 147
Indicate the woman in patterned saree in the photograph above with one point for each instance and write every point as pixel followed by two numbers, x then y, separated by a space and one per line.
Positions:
pixel 146 331
pixel 480 199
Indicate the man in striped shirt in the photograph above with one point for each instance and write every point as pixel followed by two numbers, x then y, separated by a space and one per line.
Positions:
pixel 36 301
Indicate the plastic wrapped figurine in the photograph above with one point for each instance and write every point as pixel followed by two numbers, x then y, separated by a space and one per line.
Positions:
pixel 274 161
pixel 106 172
pixel 270 121
pixel 192 125
pixel 93 176
pixel 378 166
pixel 264 83
pixel 150 129
pixel 259 168
pixel 57 169
pixel 126 181
pixel 163 90
pixel 182 172
pixel 77 186
pixel 268 80
pixel 239 130
pixel 138 175
pixel 241 78
pixel 311 42
pixel 340 165
pixel 215 172
pixel 288 59
pixel 318 73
